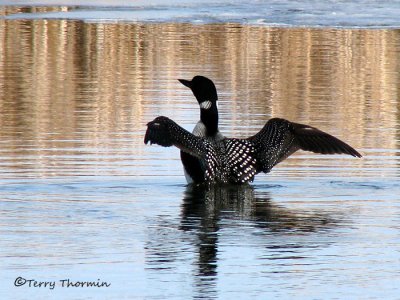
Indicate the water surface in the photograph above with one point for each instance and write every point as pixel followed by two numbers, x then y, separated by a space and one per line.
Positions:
pixel 332 13
pixel 82 198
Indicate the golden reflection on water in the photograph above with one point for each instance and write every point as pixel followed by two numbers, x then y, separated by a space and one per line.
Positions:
pixel 69 85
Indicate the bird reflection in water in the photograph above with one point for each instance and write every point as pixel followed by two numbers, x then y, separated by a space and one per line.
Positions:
pixel 245 212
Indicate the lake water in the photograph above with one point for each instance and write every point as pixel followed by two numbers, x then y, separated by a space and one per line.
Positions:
pixel 82 198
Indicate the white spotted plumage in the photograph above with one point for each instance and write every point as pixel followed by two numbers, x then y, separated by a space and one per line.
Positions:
pixel 231 160
pixel 237 160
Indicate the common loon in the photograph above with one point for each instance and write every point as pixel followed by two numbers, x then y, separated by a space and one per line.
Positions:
pixel 206 94
pixel 233 160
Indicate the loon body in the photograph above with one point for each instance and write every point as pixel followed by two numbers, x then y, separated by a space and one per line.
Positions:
pixel 231 160
pixel 207 127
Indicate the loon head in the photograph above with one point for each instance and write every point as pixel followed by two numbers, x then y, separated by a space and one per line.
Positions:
pixel 204 90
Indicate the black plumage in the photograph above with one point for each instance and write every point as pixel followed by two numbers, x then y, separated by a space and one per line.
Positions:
pixel 206 94
pixel 232 160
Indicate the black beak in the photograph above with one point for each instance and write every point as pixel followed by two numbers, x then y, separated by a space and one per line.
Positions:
pixel 185 82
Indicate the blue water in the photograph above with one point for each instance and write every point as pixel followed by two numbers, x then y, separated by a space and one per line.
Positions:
pixel 363 13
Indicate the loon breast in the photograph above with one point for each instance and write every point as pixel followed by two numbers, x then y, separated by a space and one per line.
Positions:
pixel 200 129
pixel 193 166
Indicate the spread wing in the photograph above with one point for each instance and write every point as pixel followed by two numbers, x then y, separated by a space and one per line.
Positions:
pixel 280 138
pixel 312 139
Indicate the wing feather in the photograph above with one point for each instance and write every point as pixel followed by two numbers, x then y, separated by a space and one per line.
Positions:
pixel 280 138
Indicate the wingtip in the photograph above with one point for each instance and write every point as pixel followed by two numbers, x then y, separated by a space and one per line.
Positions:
pixel 351 151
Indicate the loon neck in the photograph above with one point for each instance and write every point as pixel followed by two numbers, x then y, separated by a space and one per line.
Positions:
pixel 209 117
